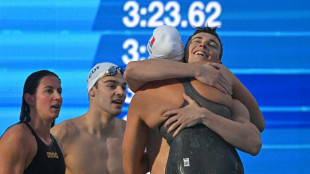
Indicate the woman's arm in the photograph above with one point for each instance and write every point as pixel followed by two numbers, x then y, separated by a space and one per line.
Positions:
pixel 239 132
pixel 140 72
pixel 134 143
pixel 241 93
pixel 16 150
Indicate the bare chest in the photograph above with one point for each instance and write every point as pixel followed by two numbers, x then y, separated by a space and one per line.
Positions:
pixel 92 155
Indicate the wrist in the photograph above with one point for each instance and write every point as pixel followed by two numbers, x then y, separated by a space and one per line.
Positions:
pixel 206 117
pixel 197 70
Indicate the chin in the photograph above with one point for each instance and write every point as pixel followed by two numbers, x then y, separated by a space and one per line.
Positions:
pixel 198 59
pixel 116 113
pixel 55 115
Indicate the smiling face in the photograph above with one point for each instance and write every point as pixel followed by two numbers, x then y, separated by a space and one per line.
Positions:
pixel 110 94
pixel 203 47
pixel 46 102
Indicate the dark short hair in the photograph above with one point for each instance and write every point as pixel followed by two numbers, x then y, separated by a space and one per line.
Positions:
pixel 31 84
pixel 207 29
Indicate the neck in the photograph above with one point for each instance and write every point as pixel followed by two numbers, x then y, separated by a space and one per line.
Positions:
pixel 99 124
pixel 42 129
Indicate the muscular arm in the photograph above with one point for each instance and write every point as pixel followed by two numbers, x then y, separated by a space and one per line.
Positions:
pixel 241 93
pixel 66 133
pixel 239 132
pixel 15 151
pixel 134 143
pixel 139 72
pixel 252 138
pixel 58 131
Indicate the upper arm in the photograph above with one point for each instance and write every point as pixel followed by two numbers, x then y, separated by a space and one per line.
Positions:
pixel 135 140
pixel 239 112
pixel 58 142
pixel 56 131
pixel 58 134
pixel 137 74
pixel 17 150
pixel 247 136
pixel 64 134
pixel 241 93
pixel 140 72
pixel 133 84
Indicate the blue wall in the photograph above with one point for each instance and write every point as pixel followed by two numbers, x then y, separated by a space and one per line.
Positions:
pixel 266 44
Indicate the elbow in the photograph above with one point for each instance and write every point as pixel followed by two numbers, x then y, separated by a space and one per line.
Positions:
pixel 256 145
pixel 129 70
pixel 261 127
pixel 254 139
pixel 129 76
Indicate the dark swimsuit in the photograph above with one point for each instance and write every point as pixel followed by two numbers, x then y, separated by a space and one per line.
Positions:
pixel 199 150
pixel 48 159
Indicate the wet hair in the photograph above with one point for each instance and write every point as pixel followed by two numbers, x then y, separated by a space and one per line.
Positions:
pixel 31 84
pixel 207 29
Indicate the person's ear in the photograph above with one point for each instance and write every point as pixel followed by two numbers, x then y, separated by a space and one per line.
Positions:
pixel 29 99
pixel 92 91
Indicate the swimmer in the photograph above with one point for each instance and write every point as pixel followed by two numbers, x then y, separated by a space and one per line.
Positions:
pixel 218 116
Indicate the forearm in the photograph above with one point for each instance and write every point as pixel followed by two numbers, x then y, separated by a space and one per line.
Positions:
pixel 139 72
pixel 134 157
pixel 134 143
pixel 242 135
pixel 237 131
pixel 135 165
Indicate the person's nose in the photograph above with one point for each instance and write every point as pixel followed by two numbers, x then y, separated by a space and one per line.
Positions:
pixel 203 45
pixel 57 95
pixel 120 91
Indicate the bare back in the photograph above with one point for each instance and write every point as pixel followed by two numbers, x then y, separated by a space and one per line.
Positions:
pixel 88 153
pixel 155 98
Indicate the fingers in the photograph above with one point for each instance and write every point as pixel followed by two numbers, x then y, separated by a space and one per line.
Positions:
pixel 219 87
pixel 177 126
pixel 177 131
pixel 173 126
pixel 215 65
pixel 217 80
pixel 168 113
pixel 224 88
pixel 188 99
pixel 224 85
pixel 170 121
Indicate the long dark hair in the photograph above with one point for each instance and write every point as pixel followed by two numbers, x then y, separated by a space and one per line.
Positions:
pixel 31 84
